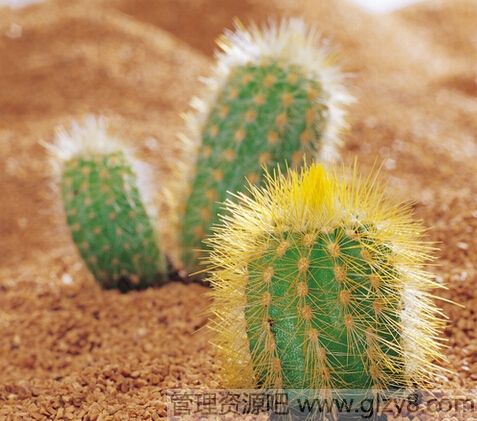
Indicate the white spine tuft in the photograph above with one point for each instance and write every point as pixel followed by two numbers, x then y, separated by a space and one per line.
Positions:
pixel 86 138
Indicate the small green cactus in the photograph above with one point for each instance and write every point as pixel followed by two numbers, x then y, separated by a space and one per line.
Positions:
pixel 111 223
pixel 275 99
pixel 318 284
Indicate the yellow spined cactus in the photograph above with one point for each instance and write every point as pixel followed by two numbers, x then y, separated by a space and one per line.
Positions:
pixel 319 282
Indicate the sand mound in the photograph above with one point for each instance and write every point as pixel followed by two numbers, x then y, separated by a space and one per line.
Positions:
pixel 70 350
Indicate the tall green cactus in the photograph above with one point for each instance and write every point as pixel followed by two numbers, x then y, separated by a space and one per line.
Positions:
pixel 111 224
pixel 275 99
pixel 318 284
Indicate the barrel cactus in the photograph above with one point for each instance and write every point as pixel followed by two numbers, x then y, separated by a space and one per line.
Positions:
pixel 108 207
pixel 319 283
pixel 275 97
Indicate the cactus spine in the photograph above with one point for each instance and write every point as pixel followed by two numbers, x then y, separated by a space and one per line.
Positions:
pixel 274 98
pixel 111 223
pixel 318 284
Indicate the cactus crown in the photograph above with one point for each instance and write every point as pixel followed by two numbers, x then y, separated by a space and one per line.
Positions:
pixel 110 214
pixel 318 283
pixel 274 98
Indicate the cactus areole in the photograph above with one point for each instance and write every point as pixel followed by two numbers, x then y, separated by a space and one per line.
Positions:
pixel 318 284
pixel 275 99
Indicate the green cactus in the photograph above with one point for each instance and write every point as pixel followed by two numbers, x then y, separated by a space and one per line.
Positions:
pixel 110 222
pixel 276 106
pixel 318 284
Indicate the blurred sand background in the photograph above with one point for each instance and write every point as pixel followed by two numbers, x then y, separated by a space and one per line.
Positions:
pixel 71 351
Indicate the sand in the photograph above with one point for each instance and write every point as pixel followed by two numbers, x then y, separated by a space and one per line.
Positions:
pixel 72 351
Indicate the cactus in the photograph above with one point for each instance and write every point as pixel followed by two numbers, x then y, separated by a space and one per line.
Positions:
pixel 112 222
pixel 318 283
pixel 274 98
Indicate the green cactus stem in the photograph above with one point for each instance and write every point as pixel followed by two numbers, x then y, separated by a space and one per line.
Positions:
pixel 276 100
pixel 110 221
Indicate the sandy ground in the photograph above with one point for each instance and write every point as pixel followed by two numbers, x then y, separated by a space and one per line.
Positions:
pixel 71 351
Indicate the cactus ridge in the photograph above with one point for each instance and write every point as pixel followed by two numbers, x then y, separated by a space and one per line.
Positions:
pixel 109 220
pixel 318 284
pixel 275 98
